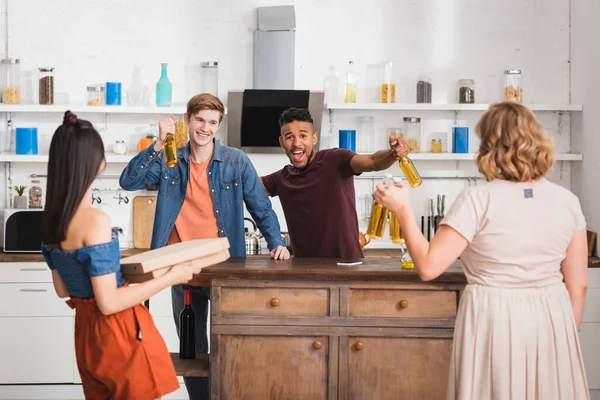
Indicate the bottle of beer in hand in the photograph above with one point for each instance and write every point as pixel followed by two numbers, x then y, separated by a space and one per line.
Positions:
pixel 187 331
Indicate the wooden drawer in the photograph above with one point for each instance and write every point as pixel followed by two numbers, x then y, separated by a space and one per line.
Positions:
pixel 32 300
pixel 25 272
pixel 297 302
pixel 397 303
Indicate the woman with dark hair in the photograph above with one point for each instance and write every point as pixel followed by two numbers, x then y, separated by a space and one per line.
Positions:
pixel 120 354
pixel 523 247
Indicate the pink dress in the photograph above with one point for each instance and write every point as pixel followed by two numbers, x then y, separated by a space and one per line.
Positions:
pixel 515 335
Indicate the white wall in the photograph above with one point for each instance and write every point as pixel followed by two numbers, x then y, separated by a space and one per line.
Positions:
pixel 98 41
pixel 585 89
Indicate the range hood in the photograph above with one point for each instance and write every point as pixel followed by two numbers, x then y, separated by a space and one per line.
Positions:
pixel 253 116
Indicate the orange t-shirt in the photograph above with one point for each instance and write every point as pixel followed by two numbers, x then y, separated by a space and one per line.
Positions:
pixel 196 219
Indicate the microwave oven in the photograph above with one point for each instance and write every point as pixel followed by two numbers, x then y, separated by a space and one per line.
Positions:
pixel 22 230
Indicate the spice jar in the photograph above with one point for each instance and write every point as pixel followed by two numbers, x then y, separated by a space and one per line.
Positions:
pixel 95 95
pixel 513 90
pixel 424 90
pixel 35 195
pixel 46 86
pixel 388 89
pixel 11 78
pixel 120 147
pixel 466 91
pixel 412 133
pixel 436 145
pixel 210 77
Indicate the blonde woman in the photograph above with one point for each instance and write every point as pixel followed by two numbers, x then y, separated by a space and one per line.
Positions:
pixel 522 243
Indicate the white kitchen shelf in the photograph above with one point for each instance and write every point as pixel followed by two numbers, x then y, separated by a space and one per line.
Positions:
pixel 473 156
pixel 61 108
pixel 444 107
pixel 117 158
pixel 43 158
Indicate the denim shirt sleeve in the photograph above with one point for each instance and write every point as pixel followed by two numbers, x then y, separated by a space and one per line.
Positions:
pixel 143 171
pixel 259 206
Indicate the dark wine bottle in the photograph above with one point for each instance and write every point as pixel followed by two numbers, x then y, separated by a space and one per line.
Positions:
pixel 187 329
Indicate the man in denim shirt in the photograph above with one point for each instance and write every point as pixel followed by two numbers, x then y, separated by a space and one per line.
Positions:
pixel 202 197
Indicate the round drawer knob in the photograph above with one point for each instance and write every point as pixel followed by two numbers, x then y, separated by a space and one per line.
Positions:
pixel 275 302
pixel 317 345
pixel 359 346
pixel 403 303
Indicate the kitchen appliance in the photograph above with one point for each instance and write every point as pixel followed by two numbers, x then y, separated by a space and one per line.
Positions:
pixel 22 230
pixel 274 48
pixel 253 116
pixel 252 240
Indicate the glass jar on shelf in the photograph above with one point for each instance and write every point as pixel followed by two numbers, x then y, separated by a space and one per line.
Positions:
pixel 412 134
pixel 513 89
pixel 396 132
pixel 46 86
pixel 35 195
pixel 11 77
pixel 365 136
pixel 436 145
pixel 424 89
pixel 388 88
pixel 210 77
pixel 466 91
pixel 95 95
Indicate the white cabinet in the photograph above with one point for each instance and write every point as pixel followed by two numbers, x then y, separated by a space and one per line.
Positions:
pixel 590 330
pixel 36 350
pixel 36 327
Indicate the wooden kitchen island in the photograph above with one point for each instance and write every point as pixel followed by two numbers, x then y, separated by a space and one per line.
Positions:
pixel 310 329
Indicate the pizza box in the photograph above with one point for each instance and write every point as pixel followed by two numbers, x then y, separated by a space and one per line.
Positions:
pixel 196 265
pixel 170 255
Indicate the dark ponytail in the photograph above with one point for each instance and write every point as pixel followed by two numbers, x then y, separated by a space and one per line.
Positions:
pixel 76 156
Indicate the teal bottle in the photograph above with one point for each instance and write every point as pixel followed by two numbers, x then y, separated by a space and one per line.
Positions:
pixel 164 89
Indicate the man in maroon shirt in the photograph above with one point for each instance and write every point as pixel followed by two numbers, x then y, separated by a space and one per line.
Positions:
pixel 317 190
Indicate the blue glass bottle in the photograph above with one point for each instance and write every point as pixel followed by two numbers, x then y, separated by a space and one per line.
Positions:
pixel 164 89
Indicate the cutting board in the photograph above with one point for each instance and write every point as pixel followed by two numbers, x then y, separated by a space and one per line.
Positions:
pixel 143 220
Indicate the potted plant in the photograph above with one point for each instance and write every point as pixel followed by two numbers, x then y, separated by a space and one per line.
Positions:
pixel 20 201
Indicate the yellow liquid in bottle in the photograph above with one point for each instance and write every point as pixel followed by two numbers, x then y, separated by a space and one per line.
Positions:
pixel 408 265
pixel 410 172
pixel 395 232
pixel 170 151
pixel 377 221
pixel 350 93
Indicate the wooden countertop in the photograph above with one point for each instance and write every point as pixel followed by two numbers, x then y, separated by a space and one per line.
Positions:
pixel 320 269
pixel 593 262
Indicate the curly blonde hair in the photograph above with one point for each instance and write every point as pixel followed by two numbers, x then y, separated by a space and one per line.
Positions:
pixel 514 145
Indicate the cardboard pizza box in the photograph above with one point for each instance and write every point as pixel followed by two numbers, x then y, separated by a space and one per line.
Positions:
pixel 196 265
pixel 168 256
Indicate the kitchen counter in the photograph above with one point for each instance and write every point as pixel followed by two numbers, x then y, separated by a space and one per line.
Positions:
pixel 593 262
pixel 311 329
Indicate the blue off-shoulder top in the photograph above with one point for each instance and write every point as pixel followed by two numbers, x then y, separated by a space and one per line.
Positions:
pixel 77 267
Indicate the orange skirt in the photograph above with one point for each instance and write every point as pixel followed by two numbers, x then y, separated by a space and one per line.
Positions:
pixel 121 356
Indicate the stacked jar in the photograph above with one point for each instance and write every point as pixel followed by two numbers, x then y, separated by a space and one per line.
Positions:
pixel 412 134
pixel 466 91
pixel 11 79
pixel 513 90
pixel 388 89
pixel 95 95
pixel 210 77
pixel 46 86
pixel 424 89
